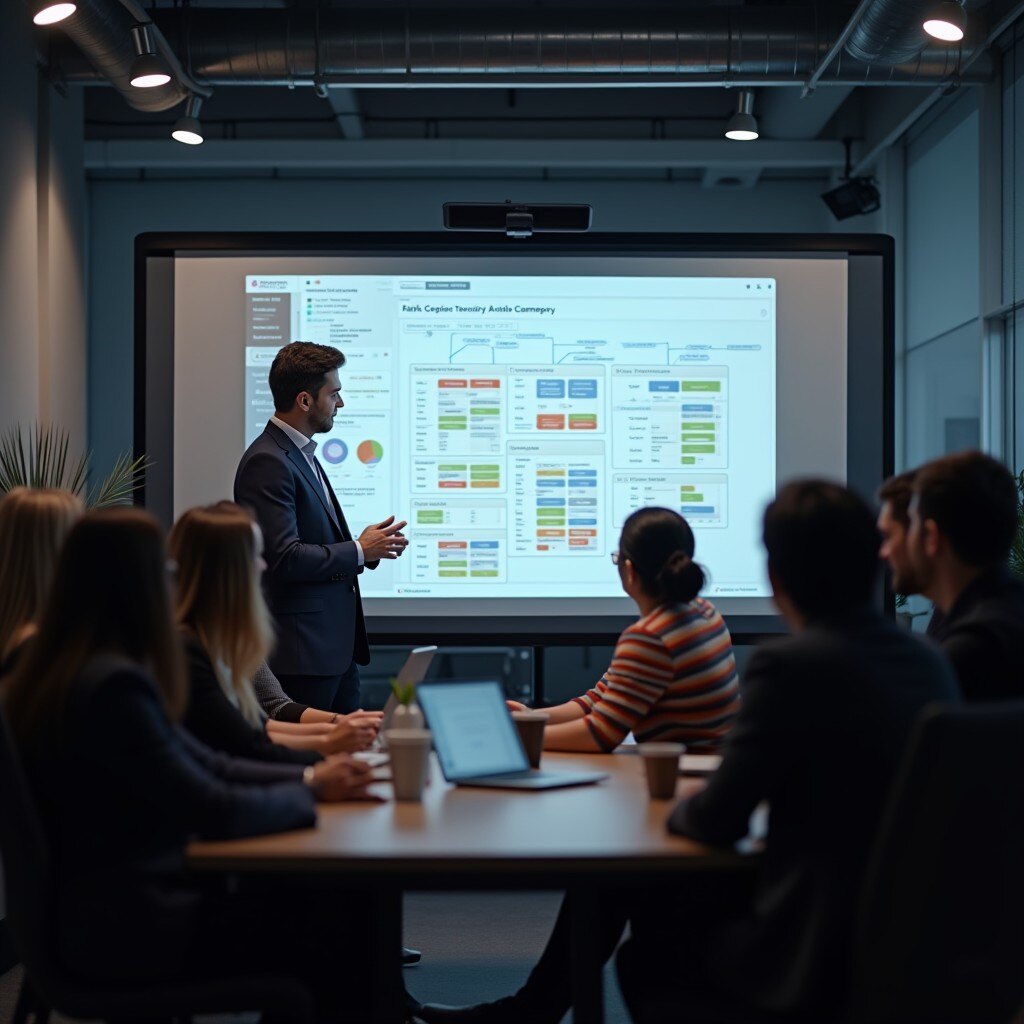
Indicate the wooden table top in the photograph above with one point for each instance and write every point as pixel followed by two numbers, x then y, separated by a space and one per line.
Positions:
pixel 612 826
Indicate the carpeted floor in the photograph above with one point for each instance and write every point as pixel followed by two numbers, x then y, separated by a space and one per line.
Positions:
pixel 476 947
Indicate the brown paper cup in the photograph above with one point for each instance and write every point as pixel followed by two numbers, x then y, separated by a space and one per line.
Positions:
pixel 661 763
pixel 530 725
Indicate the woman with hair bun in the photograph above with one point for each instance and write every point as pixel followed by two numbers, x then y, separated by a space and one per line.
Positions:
pixel 673 675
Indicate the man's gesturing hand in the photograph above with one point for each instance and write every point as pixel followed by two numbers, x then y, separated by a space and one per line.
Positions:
pixel 383 540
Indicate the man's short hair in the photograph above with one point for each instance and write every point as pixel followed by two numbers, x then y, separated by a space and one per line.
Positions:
pixel 822 546
pixel 973 500
pixel 301 366
pixel 896 492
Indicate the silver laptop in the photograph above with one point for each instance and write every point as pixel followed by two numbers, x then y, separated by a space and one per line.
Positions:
pixel 412 672
pixel 477 743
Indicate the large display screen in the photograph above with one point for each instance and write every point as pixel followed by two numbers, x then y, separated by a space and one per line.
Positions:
pixel 516 409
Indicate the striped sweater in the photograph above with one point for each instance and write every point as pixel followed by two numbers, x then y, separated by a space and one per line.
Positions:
pixel 672 677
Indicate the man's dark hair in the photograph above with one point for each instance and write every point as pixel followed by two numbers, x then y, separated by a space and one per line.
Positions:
pixel 897 492
pixel 301 366
pixel 973 500
pixel 822 546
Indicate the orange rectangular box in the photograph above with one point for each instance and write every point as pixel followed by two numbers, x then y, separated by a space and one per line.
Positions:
pixel 449 383
pixel 578 542
pixel 551 533
pixel 451 483
pixel 484 383
pixel 452 544
pixel 549 421
pixel 583 533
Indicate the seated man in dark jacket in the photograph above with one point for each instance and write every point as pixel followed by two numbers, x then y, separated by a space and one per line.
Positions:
pixel 825 718
pixel 963 521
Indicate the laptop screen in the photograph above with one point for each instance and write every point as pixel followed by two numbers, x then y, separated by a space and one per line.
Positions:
pixel 473 732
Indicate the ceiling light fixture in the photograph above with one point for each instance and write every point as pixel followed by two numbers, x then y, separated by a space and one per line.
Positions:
pixel 49 12
pixel 149 69
pixel 946 22
pixel 742 126
pixel 187 128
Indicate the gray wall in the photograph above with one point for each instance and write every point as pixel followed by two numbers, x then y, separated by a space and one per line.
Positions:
pixel 42 208
pixel 120 209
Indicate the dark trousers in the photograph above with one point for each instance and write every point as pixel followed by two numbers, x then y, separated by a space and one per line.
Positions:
pixel 289 934
pixel 327 693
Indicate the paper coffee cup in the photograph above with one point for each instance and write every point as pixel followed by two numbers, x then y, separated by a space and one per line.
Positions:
pixel 409 750
pixel 661 763
pixel 530 726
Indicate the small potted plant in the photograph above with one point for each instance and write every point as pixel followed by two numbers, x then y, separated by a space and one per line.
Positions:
pixel 407 715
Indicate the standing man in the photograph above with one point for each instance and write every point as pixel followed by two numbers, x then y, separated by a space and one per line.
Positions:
pixel 313 561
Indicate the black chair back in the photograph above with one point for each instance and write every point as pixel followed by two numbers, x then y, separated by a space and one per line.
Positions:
pixel 25 859
pixel 941 930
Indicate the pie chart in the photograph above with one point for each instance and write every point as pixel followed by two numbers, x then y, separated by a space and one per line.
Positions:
pixel 335 451
pixel 370 452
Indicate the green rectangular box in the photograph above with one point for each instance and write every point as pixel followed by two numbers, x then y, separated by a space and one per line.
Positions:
pixel 691 496
pixel 698 437
pixel 702 385
pixel 478 410
pixel 430 516
pixel 698 449
pixel 442 572
pixel 482 467
pixel 693 425
pixel 688 460
pixel 451 467
pixel 451 426
pixel 452 563
pixel 484 573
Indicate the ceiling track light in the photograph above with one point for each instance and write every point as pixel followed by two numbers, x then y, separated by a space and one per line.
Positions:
pixel 49 12
pixel 149 69
pixel 946 22
pixel 187 128
pixel 742 126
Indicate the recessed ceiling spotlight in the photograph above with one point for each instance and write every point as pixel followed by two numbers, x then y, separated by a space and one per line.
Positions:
pixel 149 69
pixel 187 128
pixel 946 22
pixel 742 126
pixel 49 12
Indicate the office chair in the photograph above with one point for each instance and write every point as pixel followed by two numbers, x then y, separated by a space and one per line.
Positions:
pixel 940 936
pixel 47 986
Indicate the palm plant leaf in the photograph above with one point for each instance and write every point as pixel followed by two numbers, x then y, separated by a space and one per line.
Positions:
pixel 42 460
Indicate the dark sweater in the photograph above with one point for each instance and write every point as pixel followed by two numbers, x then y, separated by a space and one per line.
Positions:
pixel 214 720
pixel 121 791
pixel 824 721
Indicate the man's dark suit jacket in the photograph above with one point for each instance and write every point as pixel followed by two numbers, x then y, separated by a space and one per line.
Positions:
pixel 983 636
pixel 121 791
pixel 215 721
pixel 824 721
pixel 312 563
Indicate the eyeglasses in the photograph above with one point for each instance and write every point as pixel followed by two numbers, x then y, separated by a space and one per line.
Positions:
pixel 618 557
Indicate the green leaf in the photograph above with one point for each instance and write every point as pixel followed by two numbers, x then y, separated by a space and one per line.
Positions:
pixel 403 694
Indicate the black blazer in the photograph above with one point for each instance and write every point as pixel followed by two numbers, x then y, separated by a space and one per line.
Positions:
pixel 215 721
pixel 983 636
pixel 121 791
pixel 823 724
pixel 312 563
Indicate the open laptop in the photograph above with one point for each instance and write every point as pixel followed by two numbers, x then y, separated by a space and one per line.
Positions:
pixel 477 743
pixel 412 672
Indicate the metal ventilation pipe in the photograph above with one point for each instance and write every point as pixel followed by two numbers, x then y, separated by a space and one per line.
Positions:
pixel 102 30
pixel 889 32
pixel 518 46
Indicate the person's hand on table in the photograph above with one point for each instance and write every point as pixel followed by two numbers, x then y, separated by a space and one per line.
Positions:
pixel 352 732
pixel 383 540
pixel 339 778
pixel 514 705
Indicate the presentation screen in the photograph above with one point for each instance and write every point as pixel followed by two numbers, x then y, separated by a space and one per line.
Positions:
pixel 516 402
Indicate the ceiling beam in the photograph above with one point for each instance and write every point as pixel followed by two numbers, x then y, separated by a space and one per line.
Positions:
pixel 464 154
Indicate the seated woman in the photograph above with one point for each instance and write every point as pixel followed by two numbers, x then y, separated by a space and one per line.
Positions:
pixel 227 633
pixel 122 790
pixel 34 523
pixel 673 675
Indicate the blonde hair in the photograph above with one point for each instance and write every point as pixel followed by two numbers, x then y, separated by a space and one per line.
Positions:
pixel 34 523
pixel 219 596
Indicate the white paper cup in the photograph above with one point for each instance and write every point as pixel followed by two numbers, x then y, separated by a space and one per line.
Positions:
pixel 410 760
pixel 661 763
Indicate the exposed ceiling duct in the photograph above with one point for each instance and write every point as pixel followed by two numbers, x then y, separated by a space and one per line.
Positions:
pixel 711 47
pixel 890 32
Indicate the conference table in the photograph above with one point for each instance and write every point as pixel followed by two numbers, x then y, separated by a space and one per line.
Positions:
pixel 582 839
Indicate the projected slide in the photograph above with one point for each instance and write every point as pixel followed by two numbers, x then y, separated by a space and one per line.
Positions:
pixel 517 421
